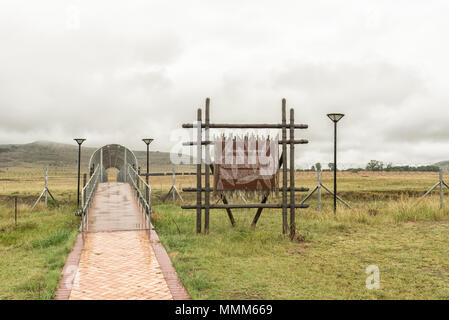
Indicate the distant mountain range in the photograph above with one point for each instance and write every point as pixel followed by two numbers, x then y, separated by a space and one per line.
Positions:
pixel 41 153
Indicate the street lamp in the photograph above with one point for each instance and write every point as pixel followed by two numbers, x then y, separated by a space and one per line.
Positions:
pixel 335 117
pixel 79 141
pixel 147 142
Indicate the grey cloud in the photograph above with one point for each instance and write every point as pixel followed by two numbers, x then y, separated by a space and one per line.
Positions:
pixel 142 69
pixel 83 78
pixel 423 123
pixel 351 84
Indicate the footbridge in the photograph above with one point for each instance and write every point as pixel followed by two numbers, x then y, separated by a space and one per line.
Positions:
pixel 119 254
pixel 101 198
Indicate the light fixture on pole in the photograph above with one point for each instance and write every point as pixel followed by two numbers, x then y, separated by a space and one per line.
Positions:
pixel 335 117
pixel 79 141
pixel 147 142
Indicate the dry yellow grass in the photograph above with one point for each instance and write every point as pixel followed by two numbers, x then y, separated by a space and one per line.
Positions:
pixel 385 227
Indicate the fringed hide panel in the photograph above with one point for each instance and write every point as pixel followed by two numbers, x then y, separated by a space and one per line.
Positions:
pixel 248 164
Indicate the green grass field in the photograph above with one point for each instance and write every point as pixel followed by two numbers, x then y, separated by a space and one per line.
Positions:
pixel 327 261
pixel 409 243
pixel 34 251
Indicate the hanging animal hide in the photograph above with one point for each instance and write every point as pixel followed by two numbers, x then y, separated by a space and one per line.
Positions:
pixel 248 164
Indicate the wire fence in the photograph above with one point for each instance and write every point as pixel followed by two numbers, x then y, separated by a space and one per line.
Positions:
pixel 87 195
pixel 142 191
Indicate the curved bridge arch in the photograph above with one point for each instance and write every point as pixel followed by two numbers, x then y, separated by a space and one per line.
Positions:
pixel 112 156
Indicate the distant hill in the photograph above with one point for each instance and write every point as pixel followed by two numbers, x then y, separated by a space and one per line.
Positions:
pixel 40 153
pixel 442 164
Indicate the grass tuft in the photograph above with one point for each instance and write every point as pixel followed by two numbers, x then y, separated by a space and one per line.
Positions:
pixel 54 239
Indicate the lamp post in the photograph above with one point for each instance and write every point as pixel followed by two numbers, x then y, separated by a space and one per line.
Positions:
pixel 147 142
pixel 79 141
pixel 335 117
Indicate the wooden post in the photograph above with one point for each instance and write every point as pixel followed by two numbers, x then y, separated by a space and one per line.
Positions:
pixel 207 169
pixel 198 172
pixel 292 174
pixel 259 212
pixel 15 210
pixel 225 201
pixel 284 168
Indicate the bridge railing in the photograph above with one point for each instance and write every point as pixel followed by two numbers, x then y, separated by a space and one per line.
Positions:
pixel 142 191
pixel 87 195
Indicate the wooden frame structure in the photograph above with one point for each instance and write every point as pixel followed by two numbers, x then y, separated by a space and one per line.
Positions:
pixel 286 204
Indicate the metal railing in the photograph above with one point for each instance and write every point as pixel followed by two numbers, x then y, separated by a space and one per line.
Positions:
pixel 142 191
pixel 87 195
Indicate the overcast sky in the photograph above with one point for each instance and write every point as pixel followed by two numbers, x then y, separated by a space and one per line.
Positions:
pixel 117 71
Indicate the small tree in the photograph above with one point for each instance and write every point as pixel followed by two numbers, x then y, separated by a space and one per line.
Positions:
pixel 312 168
pixel 331 166
pixel 375 165
pixel 318 166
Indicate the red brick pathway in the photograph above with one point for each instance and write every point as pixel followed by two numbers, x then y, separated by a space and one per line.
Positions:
pixel 119 265
pixel 118 260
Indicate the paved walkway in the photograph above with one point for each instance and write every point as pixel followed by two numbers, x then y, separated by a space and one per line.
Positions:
pixel 119 265
pixel 117 260
pixel 114 208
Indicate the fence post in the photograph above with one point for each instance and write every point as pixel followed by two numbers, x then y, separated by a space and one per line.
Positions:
pixel 46 185
pixel 173 181
pixel 15 210
pixel 319 190
pixel 441 190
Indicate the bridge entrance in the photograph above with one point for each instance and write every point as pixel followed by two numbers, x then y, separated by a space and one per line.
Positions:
pixel 113 156
pixel 112 174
